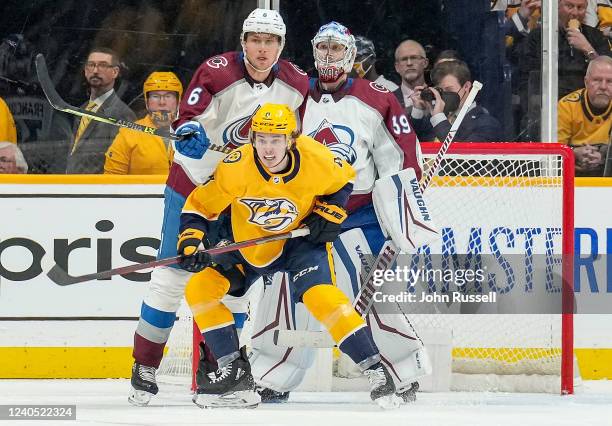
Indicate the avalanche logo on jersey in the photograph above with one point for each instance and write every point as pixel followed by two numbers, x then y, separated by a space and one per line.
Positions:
pixel 339 139
pixel 273 214
pixel 237 133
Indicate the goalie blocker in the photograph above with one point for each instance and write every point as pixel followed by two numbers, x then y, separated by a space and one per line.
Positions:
pixel 402 211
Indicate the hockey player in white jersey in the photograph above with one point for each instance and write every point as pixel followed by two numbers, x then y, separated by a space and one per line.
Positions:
pixel 223 95
pixel 363 123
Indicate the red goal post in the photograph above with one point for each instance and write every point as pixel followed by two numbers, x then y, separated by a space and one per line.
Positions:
pixel 557 169
pixel 543 173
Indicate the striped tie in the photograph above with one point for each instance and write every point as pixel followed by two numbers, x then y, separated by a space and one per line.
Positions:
pixel 91 106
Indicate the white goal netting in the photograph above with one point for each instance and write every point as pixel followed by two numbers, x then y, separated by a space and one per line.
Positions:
pixel 496 200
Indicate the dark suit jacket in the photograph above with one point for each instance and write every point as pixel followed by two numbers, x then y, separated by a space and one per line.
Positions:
pixel 477 126
pixel 88 158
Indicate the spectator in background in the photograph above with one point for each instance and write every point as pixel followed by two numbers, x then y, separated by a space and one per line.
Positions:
pixel 11 159
pixel 91 138
pixel 585 119
pixel 433 119
pixel 447 55
pixel 8 131
pixel 599 15
pixel 365 64
pixel 521 17
pixel 577 46
pixel 410 63
pixel 137 153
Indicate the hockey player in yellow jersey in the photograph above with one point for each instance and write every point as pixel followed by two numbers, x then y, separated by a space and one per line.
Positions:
pixel 277 183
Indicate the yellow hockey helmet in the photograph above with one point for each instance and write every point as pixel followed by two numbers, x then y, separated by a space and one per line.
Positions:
pixel 275 118
pixel 162 80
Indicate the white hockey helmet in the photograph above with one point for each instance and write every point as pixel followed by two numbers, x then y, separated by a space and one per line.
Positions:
pixel 265 21
pixel 333 32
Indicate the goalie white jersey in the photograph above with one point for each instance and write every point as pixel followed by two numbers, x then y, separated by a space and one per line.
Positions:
pixel 364 124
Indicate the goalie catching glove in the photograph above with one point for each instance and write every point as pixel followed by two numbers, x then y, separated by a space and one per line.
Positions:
pixel 188 245
pixel 324 222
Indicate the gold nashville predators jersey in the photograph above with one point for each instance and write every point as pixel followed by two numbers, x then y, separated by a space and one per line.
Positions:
pixel 264 203
pixel 578 124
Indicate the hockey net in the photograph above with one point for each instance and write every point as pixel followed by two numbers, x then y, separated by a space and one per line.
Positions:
pixel 487 187
pixel 501 193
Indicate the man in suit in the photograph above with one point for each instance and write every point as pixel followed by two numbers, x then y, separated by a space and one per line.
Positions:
pixel 92 139
pixel 410 63
pixel 452 82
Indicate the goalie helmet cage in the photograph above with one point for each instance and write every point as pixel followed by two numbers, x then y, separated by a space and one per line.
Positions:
pixel 485 185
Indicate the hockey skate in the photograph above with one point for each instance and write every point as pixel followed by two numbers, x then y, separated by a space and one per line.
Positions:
pixel 409 394
pixel 232 386
pixel 144 385
pixel 382 388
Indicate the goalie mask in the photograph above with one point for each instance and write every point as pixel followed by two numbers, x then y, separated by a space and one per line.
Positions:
pixel 264 21
pixel 332 65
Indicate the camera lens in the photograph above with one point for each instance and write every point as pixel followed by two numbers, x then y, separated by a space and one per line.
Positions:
pixel 427 95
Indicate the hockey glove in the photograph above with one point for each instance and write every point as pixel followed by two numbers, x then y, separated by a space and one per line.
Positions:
pixel 324 222
pixel 194 142
pixel 188 243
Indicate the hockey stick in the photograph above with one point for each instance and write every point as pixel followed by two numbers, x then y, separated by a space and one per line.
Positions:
pixel 60 277
pixel 59 104
pixel 386 258
pixel 390 252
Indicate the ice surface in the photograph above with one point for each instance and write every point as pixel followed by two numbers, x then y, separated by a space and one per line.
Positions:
pixel 104 402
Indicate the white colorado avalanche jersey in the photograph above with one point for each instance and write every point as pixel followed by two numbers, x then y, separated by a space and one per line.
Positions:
pixel 364 124
pixel 223 98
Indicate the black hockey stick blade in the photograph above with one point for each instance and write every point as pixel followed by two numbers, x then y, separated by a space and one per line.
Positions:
pixel 58 103
pixel 61 277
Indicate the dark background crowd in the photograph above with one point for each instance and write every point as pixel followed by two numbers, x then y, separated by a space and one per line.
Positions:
pixel 176 35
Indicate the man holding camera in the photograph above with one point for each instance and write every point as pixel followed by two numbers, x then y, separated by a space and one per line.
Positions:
pixel 435 108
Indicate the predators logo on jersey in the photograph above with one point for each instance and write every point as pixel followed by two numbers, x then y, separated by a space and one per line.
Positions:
pixel 274 214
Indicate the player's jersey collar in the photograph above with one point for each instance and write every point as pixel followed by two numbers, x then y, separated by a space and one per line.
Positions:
pixel 316 92
pixel 268 81
pixel 588 110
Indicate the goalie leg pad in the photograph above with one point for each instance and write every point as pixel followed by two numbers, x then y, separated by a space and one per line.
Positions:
pixel 401 348
pixel 398 342
pixel 352 255
pixel 274 367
